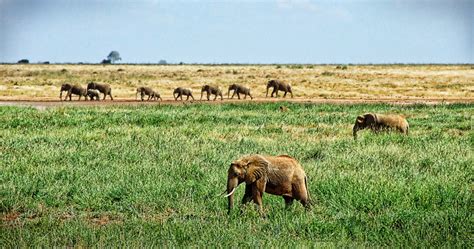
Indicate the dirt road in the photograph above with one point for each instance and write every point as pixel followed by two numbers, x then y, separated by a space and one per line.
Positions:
pixel 47 103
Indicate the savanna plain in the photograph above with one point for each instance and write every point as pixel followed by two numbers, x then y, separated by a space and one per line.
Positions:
pixel 153 174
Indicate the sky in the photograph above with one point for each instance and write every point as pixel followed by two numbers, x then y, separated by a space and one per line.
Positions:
pixel 239 31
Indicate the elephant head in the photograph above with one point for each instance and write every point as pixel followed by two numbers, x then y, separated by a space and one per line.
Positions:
pixel 231 87
pixel 248 170
pixel 271 83
pixel 205 88
pixel 91 85
pixel 367 120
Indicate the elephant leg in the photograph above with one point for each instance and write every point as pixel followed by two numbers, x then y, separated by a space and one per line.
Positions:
pixel 248 194
pixel 273 92
pixel 105 95
pixel 233 94
pixel 110 94
pixel 215 97
pixel 257 192
pixel 142 95
pixel 288 201
pixel 284 95
pixel 238 95
pixel 187 97
pixel 300 193
pixel 208 96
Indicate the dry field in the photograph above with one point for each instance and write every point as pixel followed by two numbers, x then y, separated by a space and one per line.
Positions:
pixel 310 82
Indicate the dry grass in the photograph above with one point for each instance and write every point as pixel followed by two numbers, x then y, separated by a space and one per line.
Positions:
pixel 356 82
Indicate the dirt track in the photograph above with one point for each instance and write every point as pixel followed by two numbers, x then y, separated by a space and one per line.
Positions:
pixel 47 103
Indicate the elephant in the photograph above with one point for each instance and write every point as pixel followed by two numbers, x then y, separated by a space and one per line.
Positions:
pixel 156 96
pixel 103 88
pixel 211 90
pixel 379 122
pixel 93 94
pixel 278 175
pixel 147 91
pixel 180 91
pixel 64 88
pixel 77 90
pixel 238 89
pixel 279 86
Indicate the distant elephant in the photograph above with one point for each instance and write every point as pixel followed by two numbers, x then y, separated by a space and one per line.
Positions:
pixel 76 90
pixel 278 175
pixel 64 88
pixel 379 122
pixel 156 96
pixel 238 89
pixel 103 88
pixel 279 86
pixel 93 94
pixel 211 90
pixel 180 91
pixel 147 91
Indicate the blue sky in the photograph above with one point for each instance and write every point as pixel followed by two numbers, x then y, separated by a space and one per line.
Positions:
pixel 271 31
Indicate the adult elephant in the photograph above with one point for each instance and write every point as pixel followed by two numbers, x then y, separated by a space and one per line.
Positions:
pixel 180 91
pixel 214 90
pixel 64 88
pixel 278 175
pixel 103 88
pixel 279 86
pixel 239 89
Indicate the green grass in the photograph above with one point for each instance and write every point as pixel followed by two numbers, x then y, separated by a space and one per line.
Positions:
pixel 151 175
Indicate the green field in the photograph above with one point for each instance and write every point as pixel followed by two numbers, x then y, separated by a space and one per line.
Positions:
pixel 152 175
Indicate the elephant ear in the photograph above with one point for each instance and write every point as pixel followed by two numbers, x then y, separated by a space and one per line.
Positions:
pixel 257 168
pixel 370 119
pixel 360 119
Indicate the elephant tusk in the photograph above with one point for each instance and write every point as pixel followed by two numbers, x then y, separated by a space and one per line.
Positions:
pixel 231 192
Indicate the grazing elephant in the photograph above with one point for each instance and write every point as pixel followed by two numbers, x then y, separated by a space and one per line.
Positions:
pixel 93 94
pixel 279 86
pixel 238 89
pixel 147 91
pixel 103 88
pixel 278 175
pixel 77 90
pixel 182 91
pixel 211 90
pixel 64 88
pixel 379 122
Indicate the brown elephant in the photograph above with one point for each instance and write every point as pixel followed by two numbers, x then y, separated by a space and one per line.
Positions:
pixel 147 91
pixel 155 96
pixel 103 88
pixel 180 91
pixel 93 94
pixel 278 175
pixel 279 86
pixel 76 90
pixel 239 89
pixel 380 122
pixel 216 91
pixel 64 88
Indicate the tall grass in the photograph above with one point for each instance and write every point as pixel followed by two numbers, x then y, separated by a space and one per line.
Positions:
pixel 151 175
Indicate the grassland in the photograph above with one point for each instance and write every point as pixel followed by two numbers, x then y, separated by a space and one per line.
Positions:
pixel 151 175
pixel 309 81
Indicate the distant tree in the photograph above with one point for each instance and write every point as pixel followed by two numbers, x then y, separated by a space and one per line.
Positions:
pixel 162 62
pixel 106 61
pixel 46 62
pixel 114 56
pixel 23 61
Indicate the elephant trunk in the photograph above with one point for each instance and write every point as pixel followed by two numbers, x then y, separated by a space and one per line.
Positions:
pixel 61 94
pixel 354 131
pixel 201 95
pixel 232 183
pixel 266 95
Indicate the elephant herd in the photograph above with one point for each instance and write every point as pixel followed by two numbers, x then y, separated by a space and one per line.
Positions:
pixel 93 91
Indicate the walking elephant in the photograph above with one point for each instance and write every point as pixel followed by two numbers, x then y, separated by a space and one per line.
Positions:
pixel 216 91
pixel 103 88
pixel 278 175
pixel 239 89
pixel 279 86
pixel 180 91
